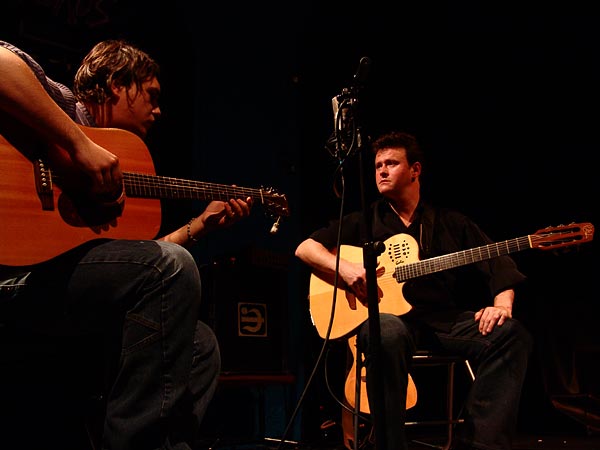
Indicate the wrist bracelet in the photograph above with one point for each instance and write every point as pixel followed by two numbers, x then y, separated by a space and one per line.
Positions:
pixel 189 231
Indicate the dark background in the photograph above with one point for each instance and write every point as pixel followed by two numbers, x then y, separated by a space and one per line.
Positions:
pixel 503 97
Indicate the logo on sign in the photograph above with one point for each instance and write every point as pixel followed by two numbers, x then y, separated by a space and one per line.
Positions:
pixel 252 319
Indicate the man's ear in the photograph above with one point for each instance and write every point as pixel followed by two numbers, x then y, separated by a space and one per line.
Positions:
pixel 117 92
pixel 416 169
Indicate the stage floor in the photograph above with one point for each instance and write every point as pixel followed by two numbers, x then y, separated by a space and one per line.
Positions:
pixel 523 442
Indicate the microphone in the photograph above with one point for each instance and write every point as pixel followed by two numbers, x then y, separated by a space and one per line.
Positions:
pixel 344 137
pixel 335 105
pixel 360 78
pixel 362 73
pixel 340 141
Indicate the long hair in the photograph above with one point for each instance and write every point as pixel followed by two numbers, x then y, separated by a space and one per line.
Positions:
pixel 108 62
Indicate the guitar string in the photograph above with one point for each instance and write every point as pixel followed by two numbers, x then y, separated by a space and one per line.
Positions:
pixel 439 263
pixel 155 186
pixel 144 184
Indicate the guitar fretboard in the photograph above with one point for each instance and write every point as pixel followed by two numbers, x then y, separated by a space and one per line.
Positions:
pixel 462 258
pixel 153 186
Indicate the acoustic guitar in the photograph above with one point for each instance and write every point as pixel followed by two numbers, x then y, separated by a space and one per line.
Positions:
pixel 44 216
pixel 400 262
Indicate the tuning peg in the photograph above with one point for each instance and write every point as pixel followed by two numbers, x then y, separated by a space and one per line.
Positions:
pixel 275 227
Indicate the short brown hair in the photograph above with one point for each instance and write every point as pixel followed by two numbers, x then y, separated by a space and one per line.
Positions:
pixel 399 139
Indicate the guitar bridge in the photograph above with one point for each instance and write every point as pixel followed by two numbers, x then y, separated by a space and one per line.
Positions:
pixel 43 184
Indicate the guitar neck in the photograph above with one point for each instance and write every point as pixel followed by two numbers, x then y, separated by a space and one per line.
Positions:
pixel 153 186
pixel 405 272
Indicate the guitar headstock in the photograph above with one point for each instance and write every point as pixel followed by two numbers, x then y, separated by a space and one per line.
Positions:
pixel 562 236
pixel 274 203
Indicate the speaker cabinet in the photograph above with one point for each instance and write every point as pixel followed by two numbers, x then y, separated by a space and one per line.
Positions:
pixel 245 301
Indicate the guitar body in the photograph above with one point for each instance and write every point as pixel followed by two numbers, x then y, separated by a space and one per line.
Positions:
pixel 350 385
pixel 399 249
pixel 33 233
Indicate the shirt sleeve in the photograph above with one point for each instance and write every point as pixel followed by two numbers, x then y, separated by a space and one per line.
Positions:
pixel 60 93
pixel 501 271
pixel 349 232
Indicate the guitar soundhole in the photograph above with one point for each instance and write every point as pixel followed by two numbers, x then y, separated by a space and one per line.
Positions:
pixel 399 252
pixel 80 213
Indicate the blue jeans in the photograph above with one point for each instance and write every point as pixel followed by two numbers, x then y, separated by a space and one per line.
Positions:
pixel 491 409
pixel 145 295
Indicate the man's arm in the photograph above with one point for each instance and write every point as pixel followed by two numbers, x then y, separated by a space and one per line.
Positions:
pixel 23 97
pixel 217 215
pixel 316 256
pixel 505 300
pixel 323 262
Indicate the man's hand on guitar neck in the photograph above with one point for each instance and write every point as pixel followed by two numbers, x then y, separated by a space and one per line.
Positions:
pixel 220 214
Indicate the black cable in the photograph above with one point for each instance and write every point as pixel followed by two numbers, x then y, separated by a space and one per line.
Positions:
pixel 326 339
pixel 342 152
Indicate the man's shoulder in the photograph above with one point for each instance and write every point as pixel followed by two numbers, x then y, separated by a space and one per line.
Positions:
pixel 450 218
pixel 59 92
pixel 9 46
pixel 443 212
pixel 20 53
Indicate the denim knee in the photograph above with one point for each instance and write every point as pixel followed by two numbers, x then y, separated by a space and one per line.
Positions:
pixel 177 256
pixel 395 335
pixel 520 336
pixel 178 262
pixel 206 348
pixel 513 339
pixel 394 331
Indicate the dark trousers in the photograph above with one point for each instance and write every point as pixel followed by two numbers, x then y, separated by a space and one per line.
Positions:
pixel 491 409
pixel 164 364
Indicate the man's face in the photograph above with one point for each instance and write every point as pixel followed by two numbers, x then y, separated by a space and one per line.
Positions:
pixel 136 110
pixel 392 171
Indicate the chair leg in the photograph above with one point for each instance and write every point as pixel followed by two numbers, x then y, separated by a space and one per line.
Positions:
pixel 426 359
pixel 450 405
pixel 450 421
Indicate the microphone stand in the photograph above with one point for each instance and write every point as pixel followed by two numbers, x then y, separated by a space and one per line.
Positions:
pixel 347 103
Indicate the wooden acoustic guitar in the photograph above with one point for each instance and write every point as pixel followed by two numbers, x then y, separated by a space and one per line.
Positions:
pixel 400 262
pixel 43 216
